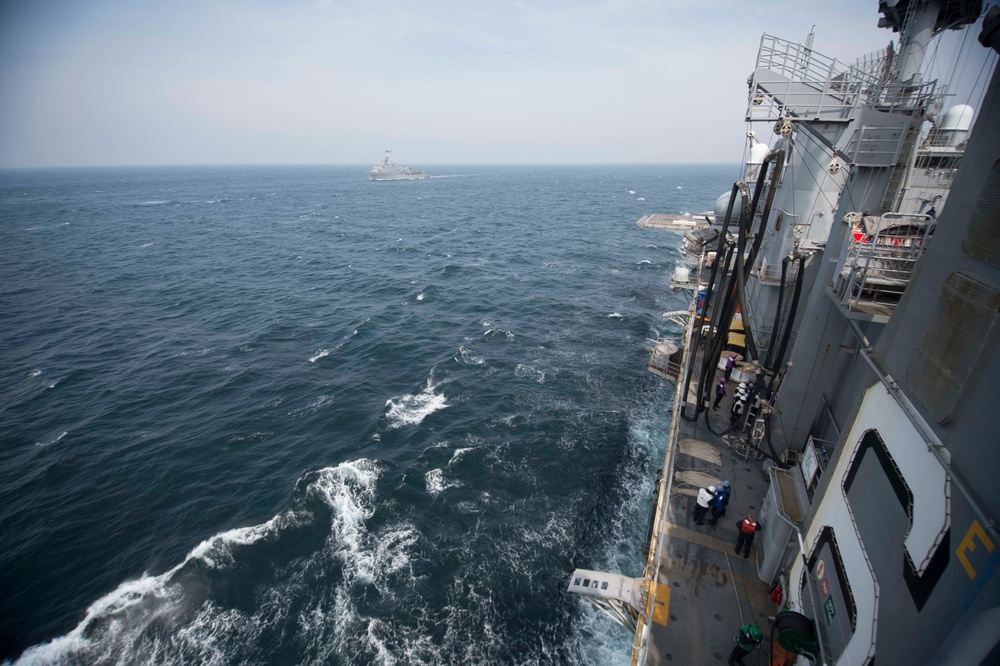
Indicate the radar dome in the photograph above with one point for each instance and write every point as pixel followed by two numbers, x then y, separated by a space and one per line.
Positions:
pixel 721 204
pixel 958 118
pixel 758 152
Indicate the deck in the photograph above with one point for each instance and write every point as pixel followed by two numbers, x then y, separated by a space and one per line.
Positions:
pixel 704 592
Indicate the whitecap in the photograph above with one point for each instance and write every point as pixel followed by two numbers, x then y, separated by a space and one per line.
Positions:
pixel 322 353
pixel 154 202
pixel 413 408
pixel 434 480
pixel 147 244
pixel 34 373
pixel 117 622
pixel 468 357
pixel 616 315
pixel 527 371
pixel 631 191
pixel 52 441
pixel 497 332
pixel 644 261
pixel 640 198
pixel 421 296
pixel 457 455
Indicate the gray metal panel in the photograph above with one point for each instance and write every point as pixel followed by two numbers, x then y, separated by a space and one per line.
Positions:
pixel 882 523
pixel 952 344
pixel 981 241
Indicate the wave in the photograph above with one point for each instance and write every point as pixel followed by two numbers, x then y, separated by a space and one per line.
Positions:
pixel 467 357
pixel 52 441
pixel 645 262
pixel 497 332
pixel 527 371
pixel 413 408
pixel 322 353
pixel 182 614
pixel 616 315
pixel 434 480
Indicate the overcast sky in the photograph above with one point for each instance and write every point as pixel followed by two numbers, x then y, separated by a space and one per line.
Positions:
pixel 102 82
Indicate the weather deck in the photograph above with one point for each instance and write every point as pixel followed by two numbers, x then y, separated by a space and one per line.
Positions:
pixel 704 591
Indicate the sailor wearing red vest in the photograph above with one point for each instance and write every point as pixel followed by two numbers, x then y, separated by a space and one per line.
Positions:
pixel 746 528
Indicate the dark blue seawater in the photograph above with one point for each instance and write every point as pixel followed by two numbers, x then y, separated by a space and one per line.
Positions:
pixel 277 415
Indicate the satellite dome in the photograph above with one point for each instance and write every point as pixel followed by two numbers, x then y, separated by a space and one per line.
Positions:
pixel 721 204
pixel 958 118
pixel 758 152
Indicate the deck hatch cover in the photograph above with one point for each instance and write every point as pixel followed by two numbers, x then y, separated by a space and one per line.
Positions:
pixel 952 344
pixel 980 241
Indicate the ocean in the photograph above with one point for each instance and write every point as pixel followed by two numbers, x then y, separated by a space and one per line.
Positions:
pixel 277 415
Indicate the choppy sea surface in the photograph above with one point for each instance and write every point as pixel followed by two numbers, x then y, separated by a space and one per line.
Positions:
pixel 276 415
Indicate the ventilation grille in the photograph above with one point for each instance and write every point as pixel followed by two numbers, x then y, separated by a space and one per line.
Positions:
pixel 952 344
pixel 984 229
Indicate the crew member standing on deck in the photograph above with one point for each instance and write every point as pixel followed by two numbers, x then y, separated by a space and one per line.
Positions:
pixel 720 392
pixel 746 529
pixel 701 504
pixel 747 640
pixel 719 501
pixel 739 403
pixel 730 364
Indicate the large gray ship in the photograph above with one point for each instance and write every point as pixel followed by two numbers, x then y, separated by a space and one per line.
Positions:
pixel 389 170
pixel 852 275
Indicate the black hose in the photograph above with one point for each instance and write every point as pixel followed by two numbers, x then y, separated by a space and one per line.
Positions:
pixel 777 314
pixel 799 279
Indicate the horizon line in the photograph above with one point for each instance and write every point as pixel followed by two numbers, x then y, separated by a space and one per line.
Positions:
pixel 352 164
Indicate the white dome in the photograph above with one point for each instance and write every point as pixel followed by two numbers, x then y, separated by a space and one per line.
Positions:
pixel 958 118
pixel 722 203
pixel 758 152
pixel 682 274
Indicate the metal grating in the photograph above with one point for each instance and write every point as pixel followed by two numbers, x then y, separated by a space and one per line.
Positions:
pixel 952 344
pixel 984 229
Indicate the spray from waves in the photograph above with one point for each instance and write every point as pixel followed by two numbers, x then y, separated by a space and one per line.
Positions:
pixel 413 408
pixel 322 353
pixel 191 614
pixel 435 482
pixel 523 370
pixel 466 356
pixel 498 332
pixel 616 315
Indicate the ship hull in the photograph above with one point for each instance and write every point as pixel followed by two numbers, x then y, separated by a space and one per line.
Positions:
pixel 412 176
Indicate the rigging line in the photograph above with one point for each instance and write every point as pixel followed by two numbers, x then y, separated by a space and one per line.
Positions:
pixel 739 603
pixel 979 77
pixel 819 185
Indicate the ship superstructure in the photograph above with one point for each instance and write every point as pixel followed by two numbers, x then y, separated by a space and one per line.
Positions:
pixel 389 170
pixel 853 276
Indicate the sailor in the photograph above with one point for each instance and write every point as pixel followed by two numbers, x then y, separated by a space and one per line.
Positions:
pixel 730 364
pixel 720 392
pixel 745 531
pixel 720 499
pixel 701 504
pixel 747 640
pixel 739 403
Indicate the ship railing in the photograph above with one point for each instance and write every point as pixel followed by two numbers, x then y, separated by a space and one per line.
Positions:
pixel 880 258
pixel 791 79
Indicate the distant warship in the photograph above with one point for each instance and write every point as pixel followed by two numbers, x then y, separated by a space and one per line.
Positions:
pixel 389 170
